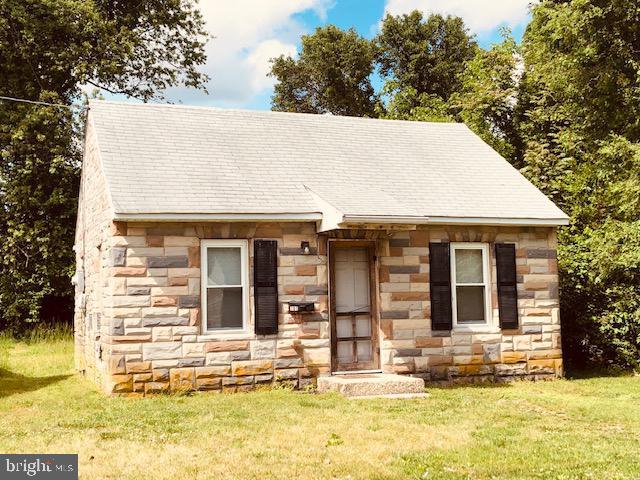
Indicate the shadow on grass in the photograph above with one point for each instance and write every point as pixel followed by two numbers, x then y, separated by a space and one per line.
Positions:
pixel 599 373
pixel 12 383
pixel 574 375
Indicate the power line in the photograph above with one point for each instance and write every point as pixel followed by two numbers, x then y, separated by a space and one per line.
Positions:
pixel 35 102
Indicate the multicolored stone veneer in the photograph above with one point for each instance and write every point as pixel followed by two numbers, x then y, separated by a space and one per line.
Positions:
pixel 139 330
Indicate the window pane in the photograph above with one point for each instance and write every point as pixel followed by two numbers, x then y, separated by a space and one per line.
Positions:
pixel 470 304
pixel 224 308
pixel 345 352
pixel 223 266
pixel 364 350
pixel 363 326
pixel 344 327
pixel 469 266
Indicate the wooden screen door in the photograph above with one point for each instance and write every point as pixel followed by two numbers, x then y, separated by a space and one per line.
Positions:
pixel 354 327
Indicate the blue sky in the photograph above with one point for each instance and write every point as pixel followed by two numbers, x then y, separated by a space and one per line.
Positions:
pixel 250 32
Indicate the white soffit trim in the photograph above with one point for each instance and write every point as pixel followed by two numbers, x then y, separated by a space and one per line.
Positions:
pixel 217 217
pixel 409 220
pixel 333 219
pixel 523 222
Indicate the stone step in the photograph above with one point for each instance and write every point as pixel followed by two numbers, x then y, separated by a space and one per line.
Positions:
pixel 371 385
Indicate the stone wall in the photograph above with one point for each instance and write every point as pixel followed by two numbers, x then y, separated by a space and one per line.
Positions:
pixel 409 345
pixel 151 338
pixel 155 342
pixel 92 273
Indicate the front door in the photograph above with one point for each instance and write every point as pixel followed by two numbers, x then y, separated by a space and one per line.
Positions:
pixel 354 322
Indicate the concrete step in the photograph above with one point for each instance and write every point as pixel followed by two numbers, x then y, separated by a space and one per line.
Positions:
pixel 371 385
pixel 391 395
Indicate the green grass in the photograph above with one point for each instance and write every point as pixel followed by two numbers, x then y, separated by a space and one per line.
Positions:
pixel 582 429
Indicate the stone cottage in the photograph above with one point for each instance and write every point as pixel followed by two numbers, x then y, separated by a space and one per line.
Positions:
pixel 224 249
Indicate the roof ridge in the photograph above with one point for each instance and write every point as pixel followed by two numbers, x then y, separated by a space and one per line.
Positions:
pixel 272 112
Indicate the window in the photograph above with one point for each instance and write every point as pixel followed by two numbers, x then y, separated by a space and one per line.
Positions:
pixel 470 285
pixel 224 285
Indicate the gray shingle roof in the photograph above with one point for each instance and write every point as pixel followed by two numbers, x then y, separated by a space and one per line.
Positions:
pixel 166 159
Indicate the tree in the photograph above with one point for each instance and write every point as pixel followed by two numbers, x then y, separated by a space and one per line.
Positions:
pixel 38 191
pixel 488 98
pixel 580 83
pixel 49 49
pixel 580 95
pixel 331 75
pixel 407 104
pixel 599 258
pixel 426 55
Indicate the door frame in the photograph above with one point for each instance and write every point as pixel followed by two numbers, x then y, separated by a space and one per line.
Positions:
pixel 373 301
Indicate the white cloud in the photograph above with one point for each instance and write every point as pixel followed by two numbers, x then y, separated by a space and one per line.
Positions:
pixel 258 61
pixel 247 34
pixel 479 15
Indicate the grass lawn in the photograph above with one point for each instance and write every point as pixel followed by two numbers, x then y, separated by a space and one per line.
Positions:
pixel 564 429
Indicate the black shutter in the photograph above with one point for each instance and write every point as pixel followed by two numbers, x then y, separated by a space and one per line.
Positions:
pixel 507 285
pixel 265 285
pixel 440 277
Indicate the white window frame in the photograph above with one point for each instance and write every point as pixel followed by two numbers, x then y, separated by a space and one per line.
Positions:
pixel 489 324
pixel 243 245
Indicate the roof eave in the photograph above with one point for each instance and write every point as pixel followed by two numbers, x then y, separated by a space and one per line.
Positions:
pixel 218 217
pixel 344 222
pixel 498 221
pixel 350 221
pixel 392 219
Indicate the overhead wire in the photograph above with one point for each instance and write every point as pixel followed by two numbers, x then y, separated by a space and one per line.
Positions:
pixel 37 102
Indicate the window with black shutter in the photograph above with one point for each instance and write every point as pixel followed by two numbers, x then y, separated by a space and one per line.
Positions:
pixel 265 286
pixel 470 288
pixel 440 278
pixel 507 285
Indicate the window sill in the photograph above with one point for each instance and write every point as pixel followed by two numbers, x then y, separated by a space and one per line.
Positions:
pixel 225 335
pixel 476 329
